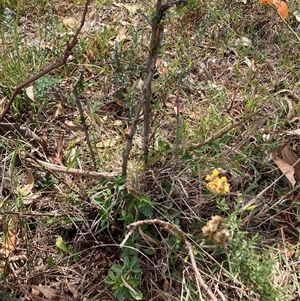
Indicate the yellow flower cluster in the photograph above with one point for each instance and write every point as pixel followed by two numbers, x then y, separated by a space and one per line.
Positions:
pixel 216 184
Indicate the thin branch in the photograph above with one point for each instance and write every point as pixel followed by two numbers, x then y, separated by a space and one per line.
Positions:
pixel 177 118
pixel 32 213
pixel 220 133
pixel 82 118
pixel 74 171
pixel 144 101
pixel 67 53
pixel 155 42
pixel 129 145
pixel 173 230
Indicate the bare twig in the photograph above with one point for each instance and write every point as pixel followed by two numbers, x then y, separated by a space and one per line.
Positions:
pixel 155 42
pixel 67 53
pixel 82 118
pixel 173 230
pixel 220 133
pixel 257 125
pixel 32 213
pixel 74 171
pixel 177 118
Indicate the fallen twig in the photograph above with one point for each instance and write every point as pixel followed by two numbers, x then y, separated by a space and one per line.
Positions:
pixel 219 134
pixel 67 53
pixel 173 230
pixel 74 171
pixel 32 213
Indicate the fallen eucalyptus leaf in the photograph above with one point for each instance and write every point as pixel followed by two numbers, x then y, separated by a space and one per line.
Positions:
pixel 285 168
pixel 29 92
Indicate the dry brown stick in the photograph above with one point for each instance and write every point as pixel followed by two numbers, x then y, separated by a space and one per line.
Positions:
pixel 219 134
pixel 82 118
pixel 156 38
pixel 67 53
pixel 173 230
pixel 157 28
pixel 257 125
pixel 144 100
pixel 32 213
pixel 177 118
pixel 74 171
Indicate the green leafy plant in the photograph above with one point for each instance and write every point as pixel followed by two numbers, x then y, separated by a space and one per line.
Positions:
pixel 124 279
pixel 46 182
pixel 43 86
pixel 248 264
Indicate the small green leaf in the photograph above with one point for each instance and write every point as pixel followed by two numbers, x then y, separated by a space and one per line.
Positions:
pixel 60 243
pixel 50 262
pixel 49 220
pixel 134 261
pixel 133 281
pixel 126 261
pixel 148 251
pixel 117 268
pixel 111 275
pixel 75 255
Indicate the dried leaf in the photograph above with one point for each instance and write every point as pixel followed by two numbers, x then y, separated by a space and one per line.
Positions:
pixel 121 34
pixel 73 126
pixel 297 15
pixel 2 100
pixel 291 113
pixel 29 92
pixel 69 22
pixel 243 41
pixel 9 238
pixel 90 55
pixel 8 244
pixel 49 293
pixel 23 131
pixel 58 110
pixel 109 142
pixel 131 8
pixel 95 19
pixel 294 132
pixel 73 290
pixel 250 63
pixel 29 186
pixel 162 66
pixel 289 156
pixel 140 84
pixel 285 168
